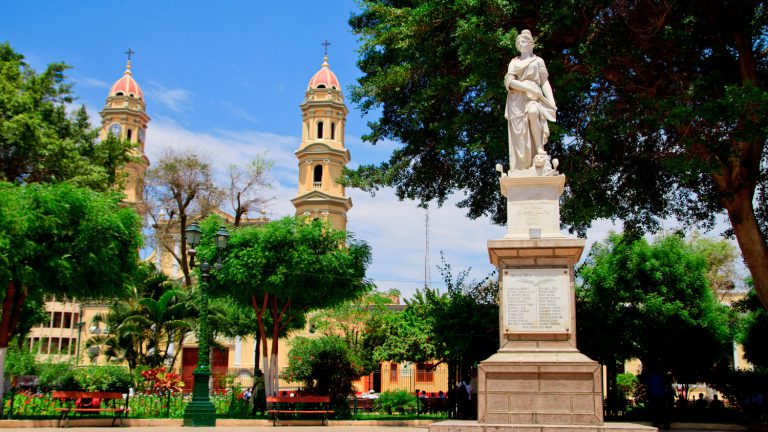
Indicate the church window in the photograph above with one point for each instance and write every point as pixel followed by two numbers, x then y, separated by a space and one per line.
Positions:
pixel 119 94
pixel 321 86
pixel 318 177
pixel 129 134
pixel 425 372
pixel 333 130
pixel 393 372
pixel 319 130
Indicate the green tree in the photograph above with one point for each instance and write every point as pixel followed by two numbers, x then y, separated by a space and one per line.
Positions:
pixel 39 140
pixel 164 323
pixel 650 301
pixel 123 341
pixel 357 322
pixel 149 326
pixel 660 107
pixel 64 241
pixel 325 366
pixel 459 327
pixel 408 335
pixel 753 328
pixel 20 360
pixel 286 269
pixel 721 258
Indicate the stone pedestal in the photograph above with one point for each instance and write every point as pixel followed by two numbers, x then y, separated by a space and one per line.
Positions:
pixel 537 381
pixel 538 376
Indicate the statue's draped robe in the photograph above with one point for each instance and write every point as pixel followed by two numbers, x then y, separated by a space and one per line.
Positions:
pixel 521 146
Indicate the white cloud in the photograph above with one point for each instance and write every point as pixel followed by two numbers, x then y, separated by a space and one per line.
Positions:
pixel 174 99
pixel 224 148
pixel 396 232
pixel 240 113
pixel 394 229
pixel 91 82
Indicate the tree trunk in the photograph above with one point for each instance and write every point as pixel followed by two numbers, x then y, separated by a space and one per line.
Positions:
pixel 750 239
pixel 262 334
pixel 12 303
pixel 274 367
pixel 256 347
pixel 3 355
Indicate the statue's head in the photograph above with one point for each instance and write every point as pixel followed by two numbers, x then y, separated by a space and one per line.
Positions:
pixel 526 36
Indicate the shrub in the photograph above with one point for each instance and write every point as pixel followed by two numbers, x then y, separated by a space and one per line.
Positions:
pixel 159 381
pixel 19 361
pixel 396 401
pixel 325 366
pixel 58 376
pixel 746 391
pixel 627 384
pixel 104 378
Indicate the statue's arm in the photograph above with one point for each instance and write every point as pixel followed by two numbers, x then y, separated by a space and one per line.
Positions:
pixel 523 86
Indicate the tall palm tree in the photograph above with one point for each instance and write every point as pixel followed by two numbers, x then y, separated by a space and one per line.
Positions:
pixel 164 322
pixel 147 328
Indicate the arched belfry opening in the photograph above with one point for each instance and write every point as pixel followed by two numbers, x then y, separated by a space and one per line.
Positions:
pixel 333 131
pixel 318 175
pixel 319 130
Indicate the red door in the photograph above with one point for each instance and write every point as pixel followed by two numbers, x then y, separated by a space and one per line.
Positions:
pixel 219 367
pixel 188 365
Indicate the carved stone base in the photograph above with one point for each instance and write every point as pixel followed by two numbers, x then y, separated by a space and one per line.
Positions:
pixel 540 388
pixel 533 206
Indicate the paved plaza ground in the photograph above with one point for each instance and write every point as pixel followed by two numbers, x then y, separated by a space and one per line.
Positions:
pixel 362 427
pixel 234 428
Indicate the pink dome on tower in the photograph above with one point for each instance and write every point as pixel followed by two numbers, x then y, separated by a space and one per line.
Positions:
pixel 126 85
pixel 324 78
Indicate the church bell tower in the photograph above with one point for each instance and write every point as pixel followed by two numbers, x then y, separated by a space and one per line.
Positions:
pixel 322 154
pixel 125 117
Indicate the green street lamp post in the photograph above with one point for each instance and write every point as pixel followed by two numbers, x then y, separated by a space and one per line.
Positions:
pixel 200 411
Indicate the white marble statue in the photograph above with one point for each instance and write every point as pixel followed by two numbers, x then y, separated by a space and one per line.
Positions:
pixel 530 104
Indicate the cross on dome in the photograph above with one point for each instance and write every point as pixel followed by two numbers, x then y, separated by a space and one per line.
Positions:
pixel 126 85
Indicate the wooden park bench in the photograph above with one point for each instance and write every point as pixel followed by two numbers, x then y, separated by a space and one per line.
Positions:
pixel 361 404
pixel 312 405
pixel 83 402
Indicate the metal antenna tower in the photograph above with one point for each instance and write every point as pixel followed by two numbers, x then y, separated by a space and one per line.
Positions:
pixel 427 276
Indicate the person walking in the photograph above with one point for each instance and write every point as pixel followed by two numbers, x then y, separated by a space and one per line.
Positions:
pixel 258 395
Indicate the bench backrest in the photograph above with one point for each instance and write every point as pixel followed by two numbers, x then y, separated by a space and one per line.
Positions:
pixel 76 394
pixel 298 399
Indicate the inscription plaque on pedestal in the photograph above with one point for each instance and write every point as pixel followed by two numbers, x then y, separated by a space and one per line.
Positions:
pixel 537 300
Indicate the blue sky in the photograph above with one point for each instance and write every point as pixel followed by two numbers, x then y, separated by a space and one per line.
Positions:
pixel 226 79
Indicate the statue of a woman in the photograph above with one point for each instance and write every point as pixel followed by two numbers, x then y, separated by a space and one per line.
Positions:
pixel 530 104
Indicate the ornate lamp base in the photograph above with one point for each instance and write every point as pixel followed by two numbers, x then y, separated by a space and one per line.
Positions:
pixel 200 412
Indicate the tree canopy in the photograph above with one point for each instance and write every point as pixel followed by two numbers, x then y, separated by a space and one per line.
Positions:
pixel 459 327
pixel 39 140
pixel 359 322
pixel 660 107
pixel 285 269
pixel 752 331
pixel 651 301
pixel 325 365
pixel 61 240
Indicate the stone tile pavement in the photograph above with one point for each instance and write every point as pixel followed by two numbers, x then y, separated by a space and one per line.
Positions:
pixel 242 428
